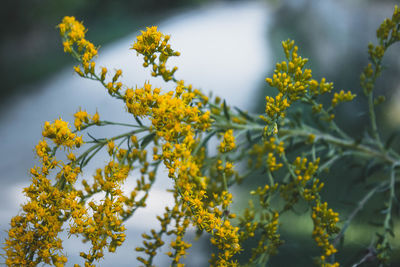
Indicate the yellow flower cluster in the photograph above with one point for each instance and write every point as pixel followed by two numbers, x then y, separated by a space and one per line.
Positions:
pixel 342 97
pixel 271 163
pixel 170 113
pixel 74 42
pixel 265 153
pixel 290 80
pixel 110 147
pixel 275 107
pixel 290 193
pixel 383 251
pixel 294 82
pixel 61 135
pixel 175 117
pixel 178 244
pixel 310 194
pixel 325 221
pixel 389 27
pixel 102 223
pixel 153 242
pixel 82 119
pixel 264 193
pixel 227 168
pixel 33 237
pixel 264 229
pixel 113 87
pixel 247 223
pixel 387 34
pixel 224 234
pixel 269 235
pixel 228 142
pixel 320 88
pixel 153 45
pixel 73 34
pixel 303 171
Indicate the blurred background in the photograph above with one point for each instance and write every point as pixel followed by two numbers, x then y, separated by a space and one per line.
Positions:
pixel 227 47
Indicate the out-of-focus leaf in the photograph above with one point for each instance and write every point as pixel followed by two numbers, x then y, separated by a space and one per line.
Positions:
pixel 146 140
pixel 384 211
pixel 244 114
pixel 376 224
pixel 138 121
pixel 86 160
pixel 390 230
pixel 248 136
pixel 341 242
pixel 391 138
pixel 226 113
pixel 93 138
pixel 204 141
pixel 297 118
pixel 367 170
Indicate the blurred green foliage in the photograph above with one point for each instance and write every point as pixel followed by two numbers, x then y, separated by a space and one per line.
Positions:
pixel 340 54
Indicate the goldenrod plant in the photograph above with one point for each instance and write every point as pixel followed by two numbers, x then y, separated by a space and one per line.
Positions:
pixel 174 129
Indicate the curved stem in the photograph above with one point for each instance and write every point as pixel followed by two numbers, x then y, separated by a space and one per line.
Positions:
pixel 388 218
pixel 372 116
pixel 345 143
pixel 353 214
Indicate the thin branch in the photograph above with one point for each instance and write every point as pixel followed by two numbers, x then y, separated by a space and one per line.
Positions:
pixel 353 214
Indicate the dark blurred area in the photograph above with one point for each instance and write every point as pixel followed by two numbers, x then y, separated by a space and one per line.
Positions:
pixel 334 36
pixel 30 44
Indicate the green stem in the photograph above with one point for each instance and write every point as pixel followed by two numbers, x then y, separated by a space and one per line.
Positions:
pixel 372 116
pixel 235 126
pixel 349 144
pixel 332 160
pixel 331 122
pixel 387 223
pixel 122 124
pixel 289 166
pixel 353 214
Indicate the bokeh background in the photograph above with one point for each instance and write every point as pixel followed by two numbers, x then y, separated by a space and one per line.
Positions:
pixel 227 47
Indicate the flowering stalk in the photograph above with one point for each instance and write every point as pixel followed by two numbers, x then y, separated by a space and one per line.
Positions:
pixel 177 128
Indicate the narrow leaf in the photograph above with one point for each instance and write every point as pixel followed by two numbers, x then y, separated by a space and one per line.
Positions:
pixel 244 114
pixel 391 138
pixel 248 135
pixel 94 139
pixel 138 121
pixel 146 140
pixel 226 113
pixel 204 141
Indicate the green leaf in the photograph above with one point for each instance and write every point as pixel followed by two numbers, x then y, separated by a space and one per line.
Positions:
pixel 248 135
pixel 244 114
pixel 390 230
pixel 87 158
pixel 93 138
pixel 391 138
pixel 146 140
pixel 138 121
pixel 204 141
pixel 226 113
pixel 376 224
